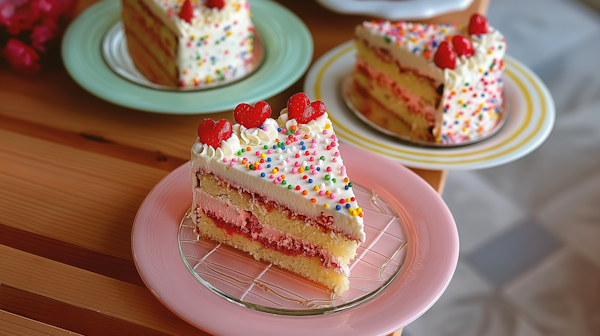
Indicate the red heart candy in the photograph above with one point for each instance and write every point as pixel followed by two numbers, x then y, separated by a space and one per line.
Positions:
pixel 319 108
pixel 444 56
pixel 296 104
pixel 211 133
pixel 252 116
pixel 215 4
pixel 301 109
pixel 478 24
pixel 463 46
pixel 187 11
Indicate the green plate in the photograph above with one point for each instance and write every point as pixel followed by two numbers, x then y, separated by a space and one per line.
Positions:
pixel 286 40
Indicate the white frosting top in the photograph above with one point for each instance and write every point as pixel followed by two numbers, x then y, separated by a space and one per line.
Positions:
pixel 216 44
pixel 472 96
pixel 302 170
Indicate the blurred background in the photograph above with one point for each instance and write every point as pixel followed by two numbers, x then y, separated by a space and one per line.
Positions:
pixel 530 230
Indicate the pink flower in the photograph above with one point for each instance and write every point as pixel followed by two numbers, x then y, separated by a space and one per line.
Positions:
pixel 41 34
pixel 54 8
pixel 40 19
pixel 8 8
pixel 45 9
pixel 18 15
pixel 22 58
pixel 23 18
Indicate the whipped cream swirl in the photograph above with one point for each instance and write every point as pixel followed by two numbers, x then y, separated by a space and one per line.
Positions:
pixel 257 136
pixel 314 126
pixel 228 148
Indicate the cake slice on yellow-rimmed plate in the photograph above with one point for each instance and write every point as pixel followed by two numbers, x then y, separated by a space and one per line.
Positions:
pixel 278 189
pixel 429 82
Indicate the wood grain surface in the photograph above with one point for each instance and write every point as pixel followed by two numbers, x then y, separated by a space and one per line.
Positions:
pixel 73 171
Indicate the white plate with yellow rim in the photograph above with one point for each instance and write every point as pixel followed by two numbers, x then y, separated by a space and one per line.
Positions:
pixel 529 123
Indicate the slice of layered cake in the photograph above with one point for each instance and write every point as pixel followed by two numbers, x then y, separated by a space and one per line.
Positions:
pixel 189 43
pixel 278 189
pixel 429 82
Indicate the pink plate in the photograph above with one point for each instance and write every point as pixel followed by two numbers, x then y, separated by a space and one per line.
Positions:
pixel 431 257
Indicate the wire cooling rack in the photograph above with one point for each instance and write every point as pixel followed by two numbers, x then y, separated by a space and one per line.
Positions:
pixel 241 279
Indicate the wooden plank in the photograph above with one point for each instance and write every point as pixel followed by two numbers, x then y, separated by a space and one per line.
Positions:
pixel 27 103
pixel 75 110
pixel 435 178
pixel 22 149
pixel 65 217
pixel 12 324
pixel 71 195
pixel 87 290
pixel 92 143
pixel 66 316
pixel 70 254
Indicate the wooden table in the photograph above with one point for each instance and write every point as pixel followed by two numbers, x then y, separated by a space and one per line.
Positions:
pixel 73 171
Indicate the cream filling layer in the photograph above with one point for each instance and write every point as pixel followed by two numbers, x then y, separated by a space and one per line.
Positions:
pixel 234 215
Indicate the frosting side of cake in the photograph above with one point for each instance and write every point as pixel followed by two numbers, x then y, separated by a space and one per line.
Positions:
pixel 473 96
pixel 296 164
pixel 468 91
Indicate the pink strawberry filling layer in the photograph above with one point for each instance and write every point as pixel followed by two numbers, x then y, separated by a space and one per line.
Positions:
pixel 386 56
pixel 324 222
pixel 414 103
pixel 234 220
